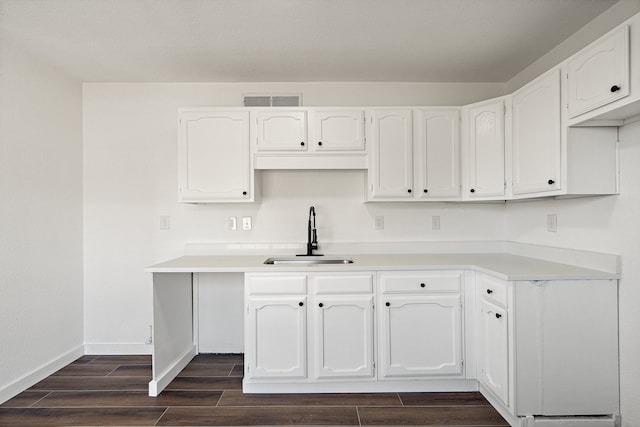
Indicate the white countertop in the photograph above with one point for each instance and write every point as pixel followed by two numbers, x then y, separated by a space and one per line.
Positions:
pixel 504 266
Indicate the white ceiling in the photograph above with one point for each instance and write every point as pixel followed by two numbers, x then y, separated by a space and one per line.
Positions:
pixel 294 40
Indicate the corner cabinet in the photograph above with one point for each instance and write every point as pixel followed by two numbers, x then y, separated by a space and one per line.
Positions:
pixel 214 159
pixel 534 361
pixel 537 136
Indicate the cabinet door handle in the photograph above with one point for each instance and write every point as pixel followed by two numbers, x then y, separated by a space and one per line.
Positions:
pixel 422 285
pixel 551 182
pixel 320 143
pixel 300 303
pixel 387 304
pixel 498 315
pixel 409 190
pixel 321 305
pixel 244 193
pixel 302 143
pixel 489 291
pixel 425 190
pixel 473 190
pixel 615 88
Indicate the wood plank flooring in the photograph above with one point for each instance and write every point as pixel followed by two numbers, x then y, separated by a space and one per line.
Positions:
pixel 112 391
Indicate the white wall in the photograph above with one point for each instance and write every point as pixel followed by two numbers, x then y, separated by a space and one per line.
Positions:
pixel 40 219
pixel 130 179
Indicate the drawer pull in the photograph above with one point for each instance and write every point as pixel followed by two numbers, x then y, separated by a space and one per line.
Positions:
pixel 300 303
pixel 498 315
pixel 422 285
pixel 489 291
pixel 321 305
pixel 387 304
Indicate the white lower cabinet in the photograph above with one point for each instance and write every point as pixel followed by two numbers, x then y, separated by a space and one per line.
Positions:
pixel 342 317
pixel 276 327
pixel 313 326
pixel 493 358
pixel 316 329
pixel 410 343
pixel 547 351
pixel 420 324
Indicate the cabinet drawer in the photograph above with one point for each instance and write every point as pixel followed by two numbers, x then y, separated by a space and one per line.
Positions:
pixel 276 285
pixel 343 284
pixel 492 289
pixel 421 282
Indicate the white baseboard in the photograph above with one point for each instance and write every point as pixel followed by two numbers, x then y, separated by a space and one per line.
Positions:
pixel 40 373
pixel 163 379
pixel 114 349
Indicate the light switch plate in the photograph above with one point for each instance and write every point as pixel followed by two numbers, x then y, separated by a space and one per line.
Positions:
pixel 246 223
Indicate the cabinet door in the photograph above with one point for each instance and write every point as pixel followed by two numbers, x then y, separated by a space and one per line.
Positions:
pixel 344 336
pixel 339 130
pixel 536 135
pixel 599 74
pixel 493 355
pixel 214 160
pixel 281 130
pixel 391 169
pixel 420 336
pixel 437 146
pixel 486 150
pixel 276 339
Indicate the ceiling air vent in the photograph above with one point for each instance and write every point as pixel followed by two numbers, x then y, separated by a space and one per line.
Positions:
pixel 272 100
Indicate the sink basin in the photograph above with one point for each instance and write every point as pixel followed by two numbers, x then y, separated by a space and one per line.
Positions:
pixel 308 260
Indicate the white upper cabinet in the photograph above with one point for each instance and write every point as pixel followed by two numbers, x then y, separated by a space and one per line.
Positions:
pixel 214 159
pixel 391 157
pixel 309 138
pixel 281 130
pixel 437 147
pixel 338 130
pixel 599 74
pixel 537 136
pixel 485 150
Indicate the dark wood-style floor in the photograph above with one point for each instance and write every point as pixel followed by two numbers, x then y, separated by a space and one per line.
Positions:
pixel 112 391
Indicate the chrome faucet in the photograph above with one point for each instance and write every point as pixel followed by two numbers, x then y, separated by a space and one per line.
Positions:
pixel 312 236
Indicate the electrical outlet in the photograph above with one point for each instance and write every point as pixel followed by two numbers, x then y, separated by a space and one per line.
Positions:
pixel 232 223
pixel 379 224
pixel 552 223
pixel 246 223
pixel 165 222
pixel 435 222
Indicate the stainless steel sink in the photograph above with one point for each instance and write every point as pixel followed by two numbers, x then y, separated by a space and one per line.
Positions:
pixel 308 260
